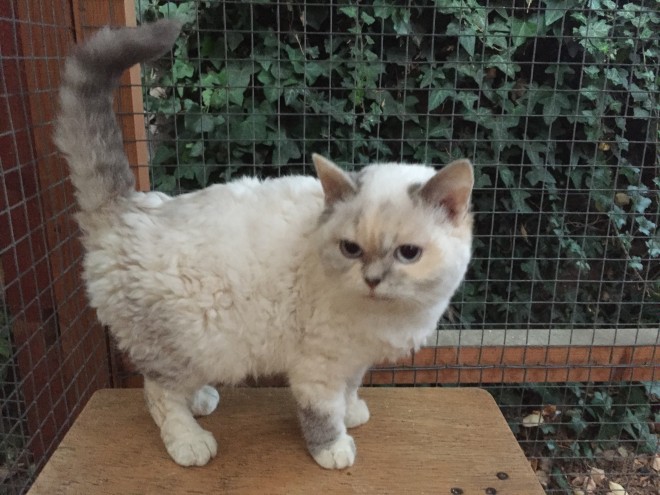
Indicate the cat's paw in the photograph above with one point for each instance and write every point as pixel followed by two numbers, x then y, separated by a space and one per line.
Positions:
pixel 339 455
pixel 357 413
pixel 193 449
pixel 204 401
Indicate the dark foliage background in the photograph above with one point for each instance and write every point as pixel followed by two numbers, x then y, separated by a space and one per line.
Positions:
pixel 555 101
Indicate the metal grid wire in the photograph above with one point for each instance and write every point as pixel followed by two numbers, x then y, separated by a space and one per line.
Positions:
pixel 556 102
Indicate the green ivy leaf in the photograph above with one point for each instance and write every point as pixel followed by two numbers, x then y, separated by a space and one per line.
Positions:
pixel 519 198
pixel 285 150
pixel 468 40
pixel 438 96
pixel 644 225
pixel 233 39
pixel 165 153
pixel 594 35
pixel 641 203
pixel 196 149
pixel 653 246
pixel 553 105
pixel 506 65
pixel 250 129
pixel 198 122
pixel 553 14
pixel 468 99
pixel 401 21
pixel 185 11
pixel 506 175
pixel 182 69
pixel 540 175
pixel 366 18
pixel 521 30
pixel 349 11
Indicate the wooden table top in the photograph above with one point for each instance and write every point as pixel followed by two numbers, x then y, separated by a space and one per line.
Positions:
pixel 419 440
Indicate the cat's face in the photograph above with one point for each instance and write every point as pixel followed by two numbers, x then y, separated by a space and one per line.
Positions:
pixel 396 232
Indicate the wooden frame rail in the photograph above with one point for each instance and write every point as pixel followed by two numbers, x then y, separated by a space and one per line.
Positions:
pixel 518 364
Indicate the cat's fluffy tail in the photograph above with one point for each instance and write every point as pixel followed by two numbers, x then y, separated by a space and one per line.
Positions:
pixel 87 131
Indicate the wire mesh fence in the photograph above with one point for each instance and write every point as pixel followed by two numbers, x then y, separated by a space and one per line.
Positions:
pixel 556 103
pixel 53 354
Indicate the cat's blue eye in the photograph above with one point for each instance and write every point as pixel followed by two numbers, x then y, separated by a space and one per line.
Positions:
pixel 408 253
pixel 350 249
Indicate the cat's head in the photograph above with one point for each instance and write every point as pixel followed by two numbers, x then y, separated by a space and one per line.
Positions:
pixel 394 232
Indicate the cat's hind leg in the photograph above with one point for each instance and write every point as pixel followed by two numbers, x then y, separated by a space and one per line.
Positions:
pixel 204 401
pixel 186 442
pixel 357 412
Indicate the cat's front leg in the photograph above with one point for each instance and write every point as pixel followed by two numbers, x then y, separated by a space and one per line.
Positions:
pixel 187 443
pixel 357 412
pixel 321 411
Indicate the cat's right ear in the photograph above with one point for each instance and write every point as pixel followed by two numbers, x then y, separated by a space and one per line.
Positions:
pixel 336 183
pixel 451 189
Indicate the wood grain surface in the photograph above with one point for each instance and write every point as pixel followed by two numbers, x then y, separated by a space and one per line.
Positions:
pixel 418 441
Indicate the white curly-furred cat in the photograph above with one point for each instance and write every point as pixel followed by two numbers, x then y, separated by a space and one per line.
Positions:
pixel 314 278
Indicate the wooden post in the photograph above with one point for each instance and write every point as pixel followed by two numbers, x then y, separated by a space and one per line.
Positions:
pixel 90 15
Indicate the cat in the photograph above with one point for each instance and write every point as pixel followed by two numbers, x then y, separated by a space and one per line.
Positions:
pixel 315 278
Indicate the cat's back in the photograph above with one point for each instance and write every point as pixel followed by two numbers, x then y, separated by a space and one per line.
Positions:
pixel 248 206
pixel 223 245
pixel 246 225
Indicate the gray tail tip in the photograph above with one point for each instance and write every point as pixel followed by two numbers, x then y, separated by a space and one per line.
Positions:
pixel 110 51
pixel 164 32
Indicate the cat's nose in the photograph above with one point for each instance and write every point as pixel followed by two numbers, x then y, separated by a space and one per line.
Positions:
pixel 372 282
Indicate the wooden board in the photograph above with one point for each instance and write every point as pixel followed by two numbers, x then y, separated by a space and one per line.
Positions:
pixel 419 440
pixel 518 364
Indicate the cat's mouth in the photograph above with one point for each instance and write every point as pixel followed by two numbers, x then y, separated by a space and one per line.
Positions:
pixel 377 297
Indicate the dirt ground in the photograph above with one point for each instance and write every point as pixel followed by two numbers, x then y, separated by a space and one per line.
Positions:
pixel 634 474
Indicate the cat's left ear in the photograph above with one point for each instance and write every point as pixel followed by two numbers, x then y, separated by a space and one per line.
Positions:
pixel 451 188
pixel 336 183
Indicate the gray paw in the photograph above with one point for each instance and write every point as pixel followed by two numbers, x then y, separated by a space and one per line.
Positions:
pixel 339 455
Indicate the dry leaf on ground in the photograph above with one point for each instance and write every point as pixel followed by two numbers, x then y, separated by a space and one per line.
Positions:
pixel 609 455
pixel 655 463
pixel 532 420
pixel 616 489
pixel 550 410
pixel 543 478
pixel 577 481
pixel 589 485
pixel 598 475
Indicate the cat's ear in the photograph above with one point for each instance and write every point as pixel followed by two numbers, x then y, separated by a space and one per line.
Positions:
pixel 451 188
pixel 336 183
